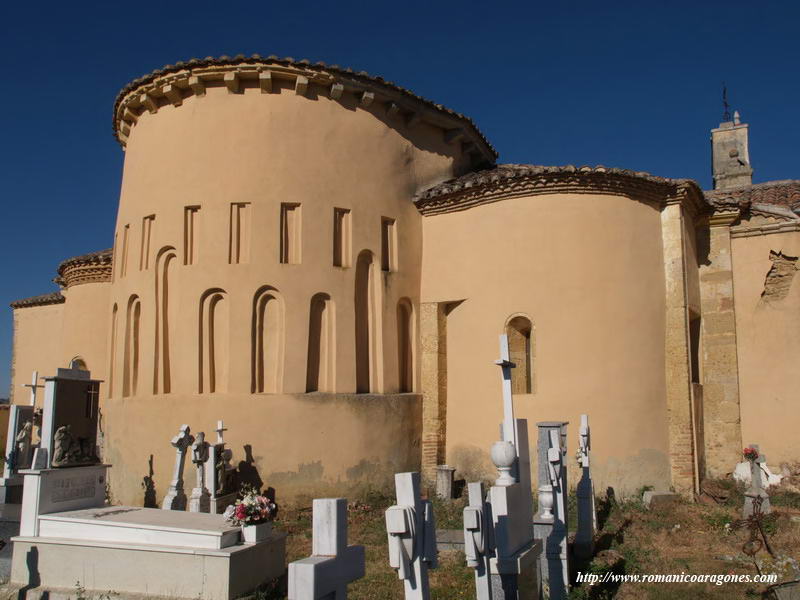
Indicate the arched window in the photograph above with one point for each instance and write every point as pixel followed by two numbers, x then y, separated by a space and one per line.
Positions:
pixel 267 341
pixel 321 345
pixel 130 372
pixel 213 342
pixel 405 345
pixel 162 379
pixel 368 326
pixel 520 347
pixel 78 363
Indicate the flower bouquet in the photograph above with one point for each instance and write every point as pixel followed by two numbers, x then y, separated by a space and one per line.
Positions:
pixel 254 512
pixel 750 453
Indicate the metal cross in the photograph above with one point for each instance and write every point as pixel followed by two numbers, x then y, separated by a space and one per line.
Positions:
pixel 509 430
pixel 91 399
pixel 33 387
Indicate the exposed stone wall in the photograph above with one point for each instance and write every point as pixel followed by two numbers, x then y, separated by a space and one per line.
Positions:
pixel 779 278
pixel 678 396
pixel 722 422
pixel 433 343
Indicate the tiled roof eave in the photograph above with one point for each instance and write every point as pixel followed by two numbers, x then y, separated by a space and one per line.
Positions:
pixel 512 180
pixel 201 66
pixel 43 300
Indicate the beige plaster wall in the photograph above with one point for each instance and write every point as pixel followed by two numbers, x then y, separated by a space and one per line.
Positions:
pixel 268 149
pixel 265 150
pixel 85 327
pixel 303 445
pixel 588 271
pixel 37 346
pixel 768 336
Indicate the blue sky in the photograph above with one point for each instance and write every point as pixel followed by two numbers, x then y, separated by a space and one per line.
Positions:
pixel 624 84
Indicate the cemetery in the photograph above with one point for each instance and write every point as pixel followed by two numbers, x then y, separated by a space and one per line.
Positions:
pixel 516 539
pixel 277 385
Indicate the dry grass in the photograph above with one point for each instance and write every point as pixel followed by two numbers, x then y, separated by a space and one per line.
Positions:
pixel 691 538
pixel 687 537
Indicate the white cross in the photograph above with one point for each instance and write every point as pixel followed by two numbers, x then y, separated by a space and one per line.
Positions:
pixel 333 563
pixel 411 533
pixel 509 430
pixel 33 387
pixel 221 429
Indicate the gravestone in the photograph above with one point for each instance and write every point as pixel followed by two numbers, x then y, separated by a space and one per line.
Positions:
pixel 333 564
pixel 69 420
pixel 478 542
pixel 757 489
pixel 549 525
pixel 587 512
pixel 65 473
pixel 221 479
pixel 412 537
pixel 176 497
pixel 499 540
pixel 19 454
pixel 200 500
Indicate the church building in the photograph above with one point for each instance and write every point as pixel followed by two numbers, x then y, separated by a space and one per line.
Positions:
pixel 326 260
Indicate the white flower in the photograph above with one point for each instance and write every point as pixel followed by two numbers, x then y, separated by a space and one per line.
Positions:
pixel 228 514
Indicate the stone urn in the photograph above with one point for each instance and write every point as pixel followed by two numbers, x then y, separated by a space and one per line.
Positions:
pixel 503 456
pixel 252 534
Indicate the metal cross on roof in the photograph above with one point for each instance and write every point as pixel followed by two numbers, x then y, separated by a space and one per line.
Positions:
pixel 509 430
pixel 727 115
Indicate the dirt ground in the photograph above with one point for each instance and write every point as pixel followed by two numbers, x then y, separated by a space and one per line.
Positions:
pixel 701 537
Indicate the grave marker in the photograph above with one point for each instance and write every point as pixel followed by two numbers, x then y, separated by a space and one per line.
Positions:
pixel 756 489
pixel 220 473
pixel 333 564
pixel 200 500
pixel 499 540
pixel 176 497
pixel 478 546
pixel 587 513
pixel 412 537
pixel 69 420
pixel 550 525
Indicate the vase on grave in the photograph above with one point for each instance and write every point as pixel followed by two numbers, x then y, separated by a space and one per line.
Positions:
pixel 545 496
pixel 252 534
pixel 503 456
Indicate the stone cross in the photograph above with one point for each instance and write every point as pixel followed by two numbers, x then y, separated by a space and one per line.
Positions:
pixel 34 386
pixel 513 430
pixel 514 564
pixel 200 500
pixel 556 544
pixel 332 564
pixel 478 546
pixel 221 429
pixel 176 498
pixel 756 489
pixel 587 513
pixel 509 428
pixel 412 537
